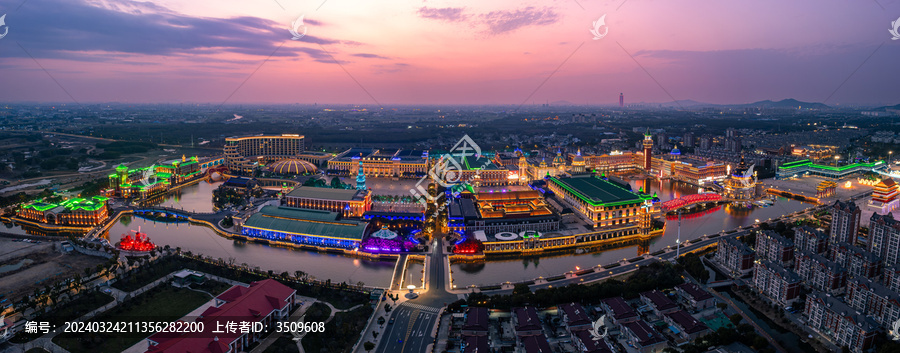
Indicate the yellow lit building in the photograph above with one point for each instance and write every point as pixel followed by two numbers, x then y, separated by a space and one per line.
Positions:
pixel 243 154
pixel 350 203
pixel 84 212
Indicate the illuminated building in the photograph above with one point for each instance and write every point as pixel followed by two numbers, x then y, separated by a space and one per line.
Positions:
pixel 179 171
pixel 502 211
pixel 577 163
pixel 292 167
pixel 79 212
pixel 317 229
pixel 825 188
pixel 841 323
pixel 243 154
pixel 602 203
pixel 360 178
pixel 350 203
pixel 806 167
pixel 612 163
pixel 380 163
pixel 687 169
pixel 154 180
pixel 477 171
pixel 741 183
pixel 137 183
pixel 648 150
pixel 885 195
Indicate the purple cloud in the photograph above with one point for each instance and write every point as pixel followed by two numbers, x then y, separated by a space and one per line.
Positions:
pixel 62 29
pixel 370 56
pixel 499 22
pixel 451 14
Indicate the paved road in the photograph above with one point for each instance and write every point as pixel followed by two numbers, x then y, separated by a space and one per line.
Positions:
pixel 414 320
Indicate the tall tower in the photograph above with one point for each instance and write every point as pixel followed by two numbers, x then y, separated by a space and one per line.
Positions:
pixel 648 150
pixel 621 100
pixel 360 178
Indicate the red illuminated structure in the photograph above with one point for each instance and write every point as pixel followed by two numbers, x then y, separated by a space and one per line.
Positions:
pixel 140 242
pixel 690 200
pixel 469 246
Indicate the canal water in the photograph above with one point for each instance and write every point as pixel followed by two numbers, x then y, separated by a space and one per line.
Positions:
pixel 711 221
pixel 339 268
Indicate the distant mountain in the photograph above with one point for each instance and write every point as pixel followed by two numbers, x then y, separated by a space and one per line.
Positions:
pixel 892 107
pixel 784 103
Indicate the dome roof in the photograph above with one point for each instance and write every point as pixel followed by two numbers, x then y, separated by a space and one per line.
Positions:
pixel 578 158
pixel 292 166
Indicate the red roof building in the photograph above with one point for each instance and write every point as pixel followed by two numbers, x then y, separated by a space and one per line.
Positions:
pixel 266 301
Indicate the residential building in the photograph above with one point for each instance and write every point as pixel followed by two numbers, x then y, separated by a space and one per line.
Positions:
pixel 734 257
pixel 891 278
pixel 820 273
pixel 774 247
pixel 475 321
pixel 780 285
pixel 858 262
pixel 844 222
pixel 659 301
pixel 526 321
pixel 618 311
pixel 474 344
pixel 873 299
pixel 265 302
pixel 687 327
pixel 585 343
pixel 694 296
pixel 810 240
pixel 840 323
pixel 575 317
pixel 643 337
pixel 533 344
pixel 884 238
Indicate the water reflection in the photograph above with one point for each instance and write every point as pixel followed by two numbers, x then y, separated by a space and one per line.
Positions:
pixel 693 225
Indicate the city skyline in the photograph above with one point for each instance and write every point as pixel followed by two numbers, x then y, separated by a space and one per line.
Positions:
pixel 445 52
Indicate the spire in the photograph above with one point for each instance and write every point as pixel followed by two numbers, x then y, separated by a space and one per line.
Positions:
pixel 579 151
pixel 360 178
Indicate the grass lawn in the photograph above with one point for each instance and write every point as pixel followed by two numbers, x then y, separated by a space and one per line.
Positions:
pixel 283 344
pixel 164 303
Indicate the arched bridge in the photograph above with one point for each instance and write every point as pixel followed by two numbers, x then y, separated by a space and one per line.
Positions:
pixel 165 212
pixel 690 200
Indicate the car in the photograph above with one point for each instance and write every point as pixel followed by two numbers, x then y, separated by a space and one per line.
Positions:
pixel 391 321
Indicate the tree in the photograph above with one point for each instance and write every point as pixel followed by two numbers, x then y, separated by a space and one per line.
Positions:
pixel 735 319
pixel 521 288
pixel 368 346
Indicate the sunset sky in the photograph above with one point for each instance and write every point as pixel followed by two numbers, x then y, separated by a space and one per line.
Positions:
pixel 449 51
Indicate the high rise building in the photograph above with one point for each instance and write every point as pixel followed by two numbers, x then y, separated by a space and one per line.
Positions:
pixel 688 139
pixel 648 150
pixel 621 100
pixel 705 142
pixel 242 153
pixel 662 140
pixel 884 238
pixel 844 222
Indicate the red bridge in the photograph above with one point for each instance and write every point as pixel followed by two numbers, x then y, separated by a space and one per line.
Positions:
pixel 691 200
